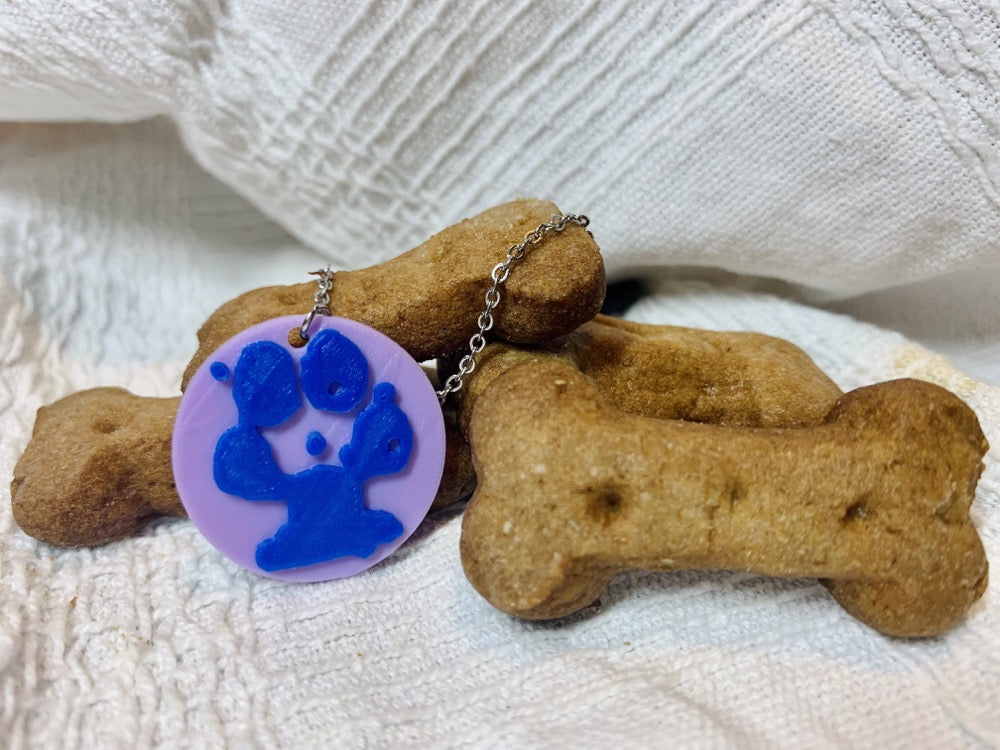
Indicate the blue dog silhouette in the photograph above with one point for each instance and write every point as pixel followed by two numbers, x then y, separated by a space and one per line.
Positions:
pixel 327 517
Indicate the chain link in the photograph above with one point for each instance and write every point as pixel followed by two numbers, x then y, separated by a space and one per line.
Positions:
pixel 499 275
pixel 321 300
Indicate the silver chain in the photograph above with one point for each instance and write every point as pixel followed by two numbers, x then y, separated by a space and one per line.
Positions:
pixel 321 300
pixel 499 274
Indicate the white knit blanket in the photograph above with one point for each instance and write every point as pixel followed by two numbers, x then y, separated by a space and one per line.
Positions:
pixel 839 152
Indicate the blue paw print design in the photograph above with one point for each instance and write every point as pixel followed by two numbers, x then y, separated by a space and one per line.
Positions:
pixel 327 516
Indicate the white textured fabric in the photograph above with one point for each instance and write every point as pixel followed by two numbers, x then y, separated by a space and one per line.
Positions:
pixel 843 148
pixel 840 149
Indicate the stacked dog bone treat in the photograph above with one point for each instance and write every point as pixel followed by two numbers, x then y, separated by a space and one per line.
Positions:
pixel 598 445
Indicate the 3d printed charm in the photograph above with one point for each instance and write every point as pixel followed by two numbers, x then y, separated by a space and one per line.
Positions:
pixel 308 463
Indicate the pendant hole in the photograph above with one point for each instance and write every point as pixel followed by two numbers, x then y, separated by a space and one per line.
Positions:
pixel 393 446
pixel 334 388
pixel 295 338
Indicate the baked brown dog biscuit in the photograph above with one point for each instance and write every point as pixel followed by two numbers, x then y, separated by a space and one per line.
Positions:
pixel 727 378
pixel 97 468
pixel 427 299
pixel 77 484
pixel 874 501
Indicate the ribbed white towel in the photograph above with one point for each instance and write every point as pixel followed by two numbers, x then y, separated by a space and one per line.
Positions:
pixel 843 148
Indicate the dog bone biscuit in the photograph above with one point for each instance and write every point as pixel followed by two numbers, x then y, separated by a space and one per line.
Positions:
pixel 97 468
pixel 427 299
pixel 874 501
pixel 728 378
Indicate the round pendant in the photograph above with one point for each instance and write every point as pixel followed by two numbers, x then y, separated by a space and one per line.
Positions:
pixel 308 463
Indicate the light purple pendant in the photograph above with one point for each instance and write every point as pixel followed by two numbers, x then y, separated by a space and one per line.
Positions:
pixel 308 463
